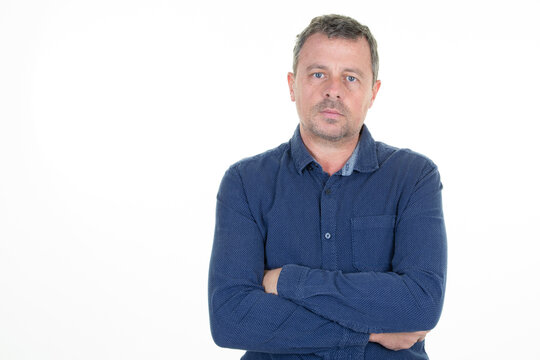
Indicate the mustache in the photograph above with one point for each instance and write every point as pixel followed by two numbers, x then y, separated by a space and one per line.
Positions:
pixel 331 104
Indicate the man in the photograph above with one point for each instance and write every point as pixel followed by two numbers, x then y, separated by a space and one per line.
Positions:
pixel 332 245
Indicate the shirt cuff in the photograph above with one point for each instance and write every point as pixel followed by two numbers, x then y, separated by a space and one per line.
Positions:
pixel 290 281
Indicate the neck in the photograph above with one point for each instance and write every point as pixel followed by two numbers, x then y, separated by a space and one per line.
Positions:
pixel 331 155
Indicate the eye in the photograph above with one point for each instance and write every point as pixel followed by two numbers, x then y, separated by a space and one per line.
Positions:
pixel 351 78
pixel 318 75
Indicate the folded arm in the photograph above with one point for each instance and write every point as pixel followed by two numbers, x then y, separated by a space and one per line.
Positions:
pixel 392 341
pixel 408 299
pixel 242 315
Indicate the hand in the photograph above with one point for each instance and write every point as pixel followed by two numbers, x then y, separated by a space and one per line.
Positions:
pixel 398 341
pixel 270 280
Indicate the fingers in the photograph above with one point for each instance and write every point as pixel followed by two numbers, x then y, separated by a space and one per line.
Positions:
pixel 398 341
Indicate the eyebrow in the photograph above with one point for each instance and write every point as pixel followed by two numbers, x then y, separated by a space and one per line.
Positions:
pixel 316 66
pixel 323 67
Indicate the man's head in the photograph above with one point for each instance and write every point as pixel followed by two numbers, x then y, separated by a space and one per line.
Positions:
pixel 334 80
pixel 338 26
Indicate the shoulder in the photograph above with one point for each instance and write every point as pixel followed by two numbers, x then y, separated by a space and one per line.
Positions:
pixel 404 160
pixel 262 163
pixel 252 178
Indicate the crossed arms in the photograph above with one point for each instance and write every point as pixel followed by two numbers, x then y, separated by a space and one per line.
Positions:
pixel 317 310
pixel 392 341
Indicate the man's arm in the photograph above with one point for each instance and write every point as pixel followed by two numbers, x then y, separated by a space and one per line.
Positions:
pixel 242 315
pixel 406 300
pixel 392 341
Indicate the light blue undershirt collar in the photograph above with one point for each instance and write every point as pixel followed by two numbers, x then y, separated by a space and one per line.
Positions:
pixel 349 165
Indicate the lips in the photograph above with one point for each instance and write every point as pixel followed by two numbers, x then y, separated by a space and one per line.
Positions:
pixel 331 112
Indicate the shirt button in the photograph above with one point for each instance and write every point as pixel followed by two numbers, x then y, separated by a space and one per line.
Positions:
pixel 327 236
pixel 328 191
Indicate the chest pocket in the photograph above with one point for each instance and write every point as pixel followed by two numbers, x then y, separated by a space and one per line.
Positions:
pixel 373 242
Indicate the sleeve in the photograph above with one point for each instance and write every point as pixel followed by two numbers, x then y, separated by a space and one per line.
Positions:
pixel 409 298
pixel 242 315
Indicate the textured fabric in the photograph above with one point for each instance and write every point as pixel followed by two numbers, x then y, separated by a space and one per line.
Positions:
pixel 362 253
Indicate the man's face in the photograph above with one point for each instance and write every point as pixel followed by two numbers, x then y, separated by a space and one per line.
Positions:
pixel 333 87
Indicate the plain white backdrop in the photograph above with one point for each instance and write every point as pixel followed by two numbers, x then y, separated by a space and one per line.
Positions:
pixel 118 119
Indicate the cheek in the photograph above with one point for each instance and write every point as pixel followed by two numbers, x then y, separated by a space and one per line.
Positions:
pixel 365 101
pixel 301 101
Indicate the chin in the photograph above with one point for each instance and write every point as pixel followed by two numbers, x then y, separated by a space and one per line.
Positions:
pixel 334 131
pixel 327 129
pixel 332 136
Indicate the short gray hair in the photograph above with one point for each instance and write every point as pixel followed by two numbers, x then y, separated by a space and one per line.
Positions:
pixel 338 26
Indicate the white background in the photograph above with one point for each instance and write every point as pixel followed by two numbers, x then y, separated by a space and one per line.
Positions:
pixel 119 118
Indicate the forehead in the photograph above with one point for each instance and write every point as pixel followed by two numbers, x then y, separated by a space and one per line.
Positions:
pixel 319 49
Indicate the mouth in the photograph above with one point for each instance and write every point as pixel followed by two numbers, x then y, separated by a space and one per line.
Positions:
pixel 331 113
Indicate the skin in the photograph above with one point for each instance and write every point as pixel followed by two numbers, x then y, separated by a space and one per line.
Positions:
pixel 333 89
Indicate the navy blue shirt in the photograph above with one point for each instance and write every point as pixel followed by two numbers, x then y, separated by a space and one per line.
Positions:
pixel 363 251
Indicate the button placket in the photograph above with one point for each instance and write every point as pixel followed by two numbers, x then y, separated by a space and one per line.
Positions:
pixel 328 225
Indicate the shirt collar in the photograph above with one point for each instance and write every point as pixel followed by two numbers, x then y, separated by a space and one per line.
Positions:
pixel 300 155
pixel 363 158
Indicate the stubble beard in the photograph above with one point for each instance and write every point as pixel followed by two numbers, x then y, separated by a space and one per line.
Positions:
pixel 314 127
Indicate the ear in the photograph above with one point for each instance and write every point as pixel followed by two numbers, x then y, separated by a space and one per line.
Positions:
pixel 374 91
pixel 290 80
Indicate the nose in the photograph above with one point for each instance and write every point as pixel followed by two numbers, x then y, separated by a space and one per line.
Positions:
pixel 334 89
